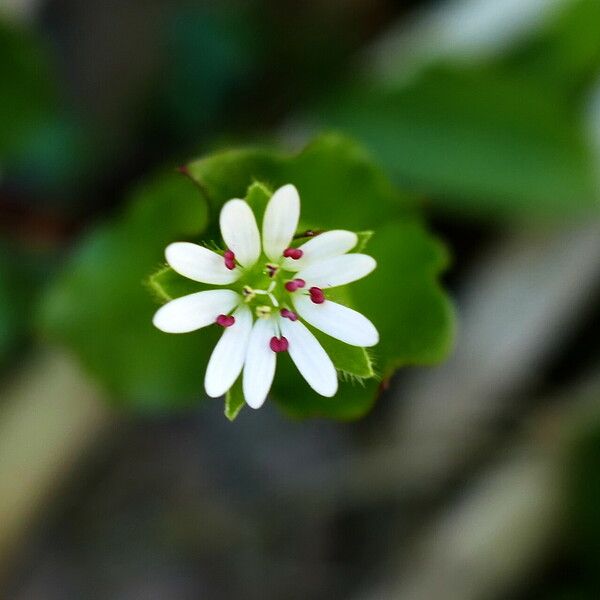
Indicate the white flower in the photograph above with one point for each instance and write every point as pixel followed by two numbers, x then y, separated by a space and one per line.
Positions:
pixel 270 289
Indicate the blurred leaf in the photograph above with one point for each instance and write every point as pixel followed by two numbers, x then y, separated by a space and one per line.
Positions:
pixel 100 308
pixel 477 140
pixel 564 57
pixel 42 145
pixel 19 282
pixel 234 400
pixel 212 53
pixel 27 93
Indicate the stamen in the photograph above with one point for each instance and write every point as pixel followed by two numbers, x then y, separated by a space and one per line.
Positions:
pixel 248 293
pixel 271 269
pixel 229 258
pixel 292 286
pixel 262 312
pixel 317 295
pixel 278 344
pixel 225 320
pixel 293 253
pixel 288 314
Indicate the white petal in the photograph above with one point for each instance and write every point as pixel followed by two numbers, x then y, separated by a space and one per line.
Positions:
pixel 194 311
pixel 338 270
pixel 280 221
pixel 324 245
pixel 240 232
pixel 199 263
pixel 312 361
pixel 227 359
pixel 259 368
pixel 338 321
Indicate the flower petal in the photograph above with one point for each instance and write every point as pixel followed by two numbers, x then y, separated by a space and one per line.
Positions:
pixel 227 359
pixel 280 221
pixel 259 368
pixel 338 270
pixel 338 321
pixel 240 232
pixel 199 263
pixel 324 245
pixel 194 311
pixel 312 361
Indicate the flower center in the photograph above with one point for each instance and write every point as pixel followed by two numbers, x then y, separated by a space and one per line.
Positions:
pixel 268 288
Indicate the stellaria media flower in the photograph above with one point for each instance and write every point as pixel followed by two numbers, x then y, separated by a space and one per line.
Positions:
pixel 270 290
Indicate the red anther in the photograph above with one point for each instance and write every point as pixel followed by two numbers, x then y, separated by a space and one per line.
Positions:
pixel 229 258
pixel 293 253
pixel 317 295
pixel 292 286
pixel 278 344
pixel 271 270
pixel 288 314
pixel 225 320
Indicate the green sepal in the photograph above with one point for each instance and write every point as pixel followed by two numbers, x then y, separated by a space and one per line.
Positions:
pixel 234 400
pixel 363 239
pixel 166 285
pixel 258 196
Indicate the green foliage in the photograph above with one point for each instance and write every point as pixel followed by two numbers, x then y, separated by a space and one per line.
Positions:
pixel 20 279
pixel 564 57
pixel 27 93
pixel 101 309
pixel 234 400
pixel 496 137
pixel 477 140
pixel 40 142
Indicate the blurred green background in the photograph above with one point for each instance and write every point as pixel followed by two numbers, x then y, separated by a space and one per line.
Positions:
pixel 466 133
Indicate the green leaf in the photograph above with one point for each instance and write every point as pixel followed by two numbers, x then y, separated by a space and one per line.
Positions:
pixel 100 308
pixel 234 400
pixel 351 361
pixel 292 394
pixel 404 299
pixel 475 139
pixel 564 56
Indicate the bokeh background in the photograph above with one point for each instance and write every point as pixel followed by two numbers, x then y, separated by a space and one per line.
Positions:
pixel 475 479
